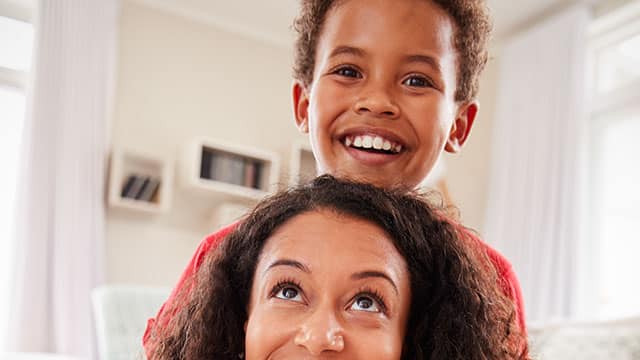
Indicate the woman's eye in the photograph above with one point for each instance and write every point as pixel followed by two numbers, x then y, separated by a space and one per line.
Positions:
pixel 417 81
pixel 289 293
pixel 365 303
pixel 348 72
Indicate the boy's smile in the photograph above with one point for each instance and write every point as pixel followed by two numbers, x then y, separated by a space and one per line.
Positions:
pixel 381 105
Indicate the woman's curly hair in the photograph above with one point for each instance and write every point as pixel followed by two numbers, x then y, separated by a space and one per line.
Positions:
pixel 457 310
pixel 472 31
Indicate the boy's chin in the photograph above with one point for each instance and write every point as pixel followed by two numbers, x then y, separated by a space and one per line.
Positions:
pixel 376 177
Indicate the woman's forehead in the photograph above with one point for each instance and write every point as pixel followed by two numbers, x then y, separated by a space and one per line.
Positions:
pixel 322 238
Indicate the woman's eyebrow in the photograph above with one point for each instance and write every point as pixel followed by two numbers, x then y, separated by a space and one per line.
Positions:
pixel 288 262
pixel 374 274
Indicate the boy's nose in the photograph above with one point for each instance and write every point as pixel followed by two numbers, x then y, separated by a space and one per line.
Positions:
pixel 320 332
pixel 377 102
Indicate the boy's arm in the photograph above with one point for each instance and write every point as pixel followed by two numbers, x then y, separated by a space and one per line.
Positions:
pixel 210 243
pixel 512 287
pixel 506 276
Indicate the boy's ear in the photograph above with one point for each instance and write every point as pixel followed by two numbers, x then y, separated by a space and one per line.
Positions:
pixel 301 106
pixel 461 126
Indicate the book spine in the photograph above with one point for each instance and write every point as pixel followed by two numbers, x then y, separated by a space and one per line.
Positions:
pixel 135 187
pixel 143 188
pixel 249 173
pixel 150 190
pixel 205 164
pixel 127 186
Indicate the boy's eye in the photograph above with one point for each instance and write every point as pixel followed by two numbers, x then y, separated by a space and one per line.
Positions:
pixel 348 72
pixel 289 293
pixel 417 81
pixel 365 303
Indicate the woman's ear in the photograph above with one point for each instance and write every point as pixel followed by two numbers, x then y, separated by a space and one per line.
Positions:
pixel 301 106
pixel 461 126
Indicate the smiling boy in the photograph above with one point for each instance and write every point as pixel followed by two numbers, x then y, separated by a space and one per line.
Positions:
pixel 382 87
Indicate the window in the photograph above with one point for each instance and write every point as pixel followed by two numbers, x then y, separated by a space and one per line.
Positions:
pixel 16 41
pixel 614 159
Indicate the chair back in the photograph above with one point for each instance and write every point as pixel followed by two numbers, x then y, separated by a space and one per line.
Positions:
pixel 121 313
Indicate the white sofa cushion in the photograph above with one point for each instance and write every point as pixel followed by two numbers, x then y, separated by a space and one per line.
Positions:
pixel 619 340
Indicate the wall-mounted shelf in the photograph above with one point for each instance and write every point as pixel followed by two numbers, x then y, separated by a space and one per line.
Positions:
pixel 139 182
pixel 228 171
pixel 303 164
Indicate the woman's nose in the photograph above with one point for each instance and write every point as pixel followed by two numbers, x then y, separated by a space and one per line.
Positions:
pixel 320 332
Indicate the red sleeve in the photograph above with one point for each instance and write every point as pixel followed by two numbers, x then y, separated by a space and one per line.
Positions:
pixel 210 243
pixel 506 276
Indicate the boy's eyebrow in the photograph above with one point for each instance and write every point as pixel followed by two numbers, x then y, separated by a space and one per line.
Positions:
pixel 374 274
pixel 429 60
pixel 347 50
pixel 288 262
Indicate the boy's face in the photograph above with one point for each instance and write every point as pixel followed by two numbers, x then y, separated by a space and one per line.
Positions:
pixel 381 105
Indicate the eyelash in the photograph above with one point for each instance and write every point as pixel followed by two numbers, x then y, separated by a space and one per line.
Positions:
pixel 365 291
pixel 339 70
pixel 375 295
pixel 281 284
pixel 427 81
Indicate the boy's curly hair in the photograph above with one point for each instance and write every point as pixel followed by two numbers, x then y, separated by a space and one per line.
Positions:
pixel 472 31
pixel 458 311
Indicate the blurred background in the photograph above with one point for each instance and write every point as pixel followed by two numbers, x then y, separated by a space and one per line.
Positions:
pixel 131 129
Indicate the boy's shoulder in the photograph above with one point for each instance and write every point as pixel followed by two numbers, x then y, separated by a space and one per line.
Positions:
pixel 211 242
pixel 506 275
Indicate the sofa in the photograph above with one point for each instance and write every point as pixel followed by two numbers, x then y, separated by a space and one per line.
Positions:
pixel 596 340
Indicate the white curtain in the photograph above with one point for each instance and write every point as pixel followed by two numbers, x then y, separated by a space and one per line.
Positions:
pixel 60 199
pixel 533 213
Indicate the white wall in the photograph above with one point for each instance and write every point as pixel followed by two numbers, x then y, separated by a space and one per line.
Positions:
pixel 178 79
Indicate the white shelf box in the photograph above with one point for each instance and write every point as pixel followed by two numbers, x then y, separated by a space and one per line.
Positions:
pixel 303 164
pixel 139 182
pixel 228 171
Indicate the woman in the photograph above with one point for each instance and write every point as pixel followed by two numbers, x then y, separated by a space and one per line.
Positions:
pixel 347 270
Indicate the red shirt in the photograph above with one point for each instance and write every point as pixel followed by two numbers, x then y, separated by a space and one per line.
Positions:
pixel 506 275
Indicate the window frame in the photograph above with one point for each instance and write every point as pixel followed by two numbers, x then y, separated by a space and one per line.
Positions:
pixel 23 11
pixel 607 30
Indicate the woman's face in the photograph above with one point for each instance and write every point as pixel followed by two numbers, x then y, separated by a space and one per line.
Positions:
pixel 327 285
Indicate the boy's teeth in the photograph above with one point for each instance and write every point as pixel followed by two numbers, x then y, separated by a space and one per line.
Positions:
pixel 367 142
pixel 372 142
pixel 377 143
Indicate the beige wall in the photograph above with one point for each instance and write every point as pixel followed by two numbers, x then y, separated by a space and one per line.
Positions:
pixel 178 79
pixel 468 172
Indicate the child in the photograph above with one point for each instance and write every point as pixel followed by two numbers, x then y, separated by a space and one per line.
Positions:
pixel 343 270
pixel 382 87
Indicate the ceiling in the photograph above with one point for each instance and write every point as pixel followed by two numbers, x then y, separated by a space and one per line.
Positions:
pixel 270 19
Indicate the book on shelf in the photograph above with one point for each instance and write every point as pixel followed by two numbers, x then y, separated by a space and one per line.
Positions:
pixel 230 168
pixel 133 185
pixel 145 182
pixel 205 164
pixel 257 175
pixel 127 185
pixel 149 190
pixel 249 174
pixel 139 187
